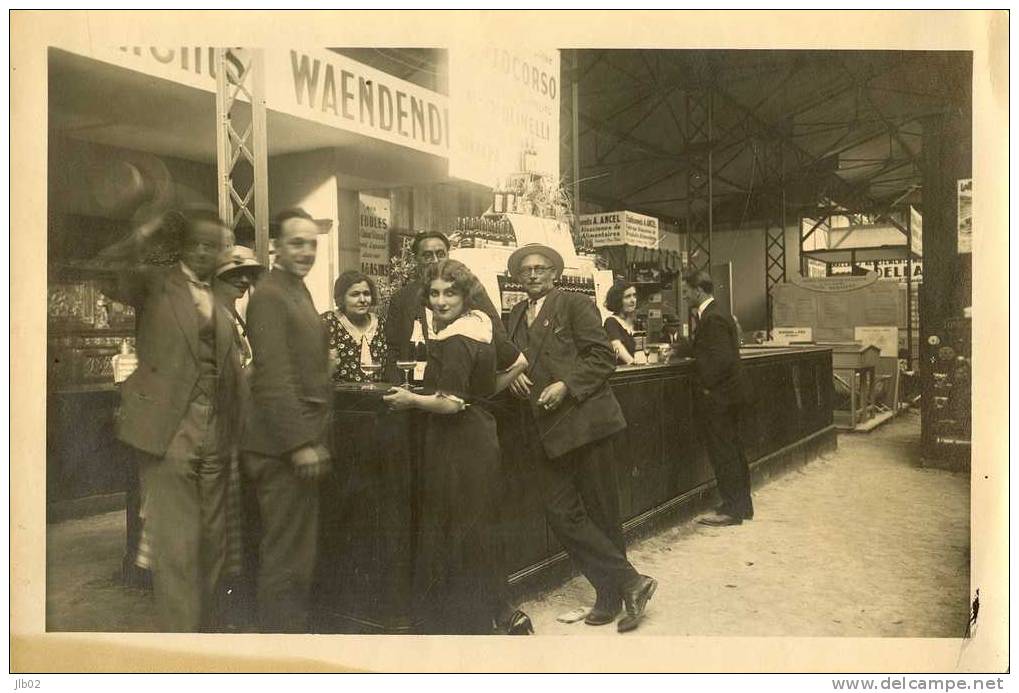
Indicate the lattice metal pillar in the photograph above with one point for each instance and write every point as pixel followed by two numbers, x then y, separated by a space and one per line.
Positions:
pixel 242 161
pixel 699 188
pixel 773 170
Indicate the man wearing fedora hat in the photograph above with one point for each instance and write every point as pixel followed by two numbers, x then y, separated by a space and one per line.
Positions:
pixel 573 416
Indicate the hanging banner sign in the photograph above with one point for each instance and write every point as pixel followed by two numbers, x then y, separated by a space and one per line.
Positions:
pixel 620 228
pixel 965 215
pixel 313 84
pixel 887 270
pixel 915 231
pixel 374 236
pixel 504 110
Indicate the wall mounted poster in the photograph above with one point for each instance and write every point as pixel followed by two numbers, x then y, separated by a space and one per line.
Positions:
pixel 965 215
pixel 374 236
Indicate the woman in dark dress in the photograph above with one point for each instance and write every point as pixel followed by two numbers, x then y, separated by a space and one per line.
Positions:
pixel 356 334
pixel 621 299
pixel 459 583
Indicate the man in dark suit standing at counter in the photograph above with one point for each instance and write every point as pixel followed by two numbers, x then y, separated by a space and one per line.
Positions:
pixel 180 408
pixel 720 395
pixel 573 416
pixel 286 439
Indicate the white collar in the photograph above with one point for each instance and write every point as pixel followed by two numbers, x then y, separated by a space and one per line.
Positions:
pixel 368 332
pixel 538 302
pixel 191 276
pixel 703 305
pixel 474 325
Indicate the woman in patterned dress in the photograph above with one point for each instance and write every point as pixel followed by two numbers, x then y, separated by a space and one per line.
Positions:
pixel 459 583
pixel 356 334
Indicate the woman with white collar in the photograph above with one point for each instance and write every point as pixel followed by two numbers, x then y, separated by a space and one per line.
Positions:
pixel 356 335
pixel 460 584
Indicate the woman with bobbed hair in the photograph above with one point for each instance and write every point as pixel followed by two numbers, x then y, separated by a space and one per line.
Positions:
pixel 621 300
pixel 459 580
pixel 356 334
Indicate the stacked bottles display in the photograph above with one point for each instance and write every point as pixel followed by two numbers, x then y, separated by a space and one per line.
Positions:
pixel 577 284
pixel 483 232
pixel 511 292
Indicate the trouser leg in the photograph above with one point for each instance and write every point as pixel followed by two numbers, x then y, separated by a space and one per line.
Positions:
pixel 595 553
pixel 720 429
pixel 288 506
pixel 185 492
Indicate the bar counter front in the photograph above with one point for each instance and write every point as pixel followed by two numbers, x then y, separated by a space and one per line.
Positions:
pixel 370 507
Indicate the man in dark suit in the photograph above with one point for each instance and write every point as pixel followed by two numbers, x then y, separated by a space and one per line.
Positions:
pixel 285 442
pixel 573 416
pixel 720 396
pixel 406 308
pixel 180 409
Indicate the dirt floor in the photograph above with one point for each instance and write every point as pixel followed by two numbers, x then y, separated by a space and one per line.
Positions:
pixel 863 542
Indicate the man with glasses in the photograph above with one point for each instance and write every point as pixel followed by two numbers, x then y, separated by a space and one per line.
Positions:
pixel 180 409
pixel 406 309
pixel 573 418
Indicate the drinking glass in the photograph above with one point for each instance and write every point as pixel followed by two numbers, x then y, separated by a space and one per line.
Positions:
pixel 370 370
pixel 406 367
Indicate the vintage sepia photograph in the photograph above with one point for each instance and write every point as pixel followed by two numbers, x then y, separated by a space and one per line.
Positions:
pixel 476 324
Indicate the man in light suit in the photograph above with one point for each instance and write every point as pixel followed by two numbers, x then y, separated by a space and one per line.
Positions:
pixel 573 415
pixel 720 395
pixel 179 408
pixel 285 443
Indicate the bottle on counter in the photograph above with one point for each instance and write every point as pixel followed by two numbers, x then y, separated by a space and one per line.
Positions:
pixel 124 363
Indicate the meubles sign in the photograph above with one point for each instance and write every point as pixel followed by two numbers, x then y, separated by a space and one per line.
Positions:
pixel 317 85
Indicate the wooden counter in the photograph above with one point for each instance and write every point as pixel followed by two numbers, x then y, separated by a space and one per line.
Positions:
pixel 368 505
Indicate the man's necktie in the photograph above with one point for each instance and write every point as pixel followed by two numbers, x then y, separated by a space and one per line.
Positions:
pixel 532 312
pixel 202 293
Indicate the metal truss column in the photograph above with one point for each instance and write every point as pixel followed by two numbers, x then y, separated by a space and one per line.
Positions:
pixel 699 179
pixel 773 170
pixel 241 147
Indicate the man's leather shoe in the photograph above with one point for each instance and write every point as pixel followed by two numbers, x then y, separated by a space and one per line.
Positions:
pixel 604 613
pixel 635 597
pixel 720 520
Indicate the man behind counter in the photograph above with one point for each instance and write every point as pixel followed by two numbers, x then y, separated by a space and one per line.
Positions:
pixel 405 307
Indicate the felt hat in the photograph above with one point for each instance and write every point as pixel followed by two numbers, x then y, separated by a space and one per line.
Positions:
pixel 535 249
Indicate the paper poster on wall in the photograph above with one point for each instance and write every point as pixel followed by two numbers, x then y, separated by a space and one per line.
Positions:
pixel 965 215
pixel 882 308
pixel 884 338
pixel 833 310
pixel 374 236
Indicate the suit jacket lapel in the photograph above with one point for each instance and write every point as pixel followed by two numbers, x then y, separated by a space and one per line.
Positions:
pixel 516 315
pixel 225 332
pixel 184 308
pixel 539 329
